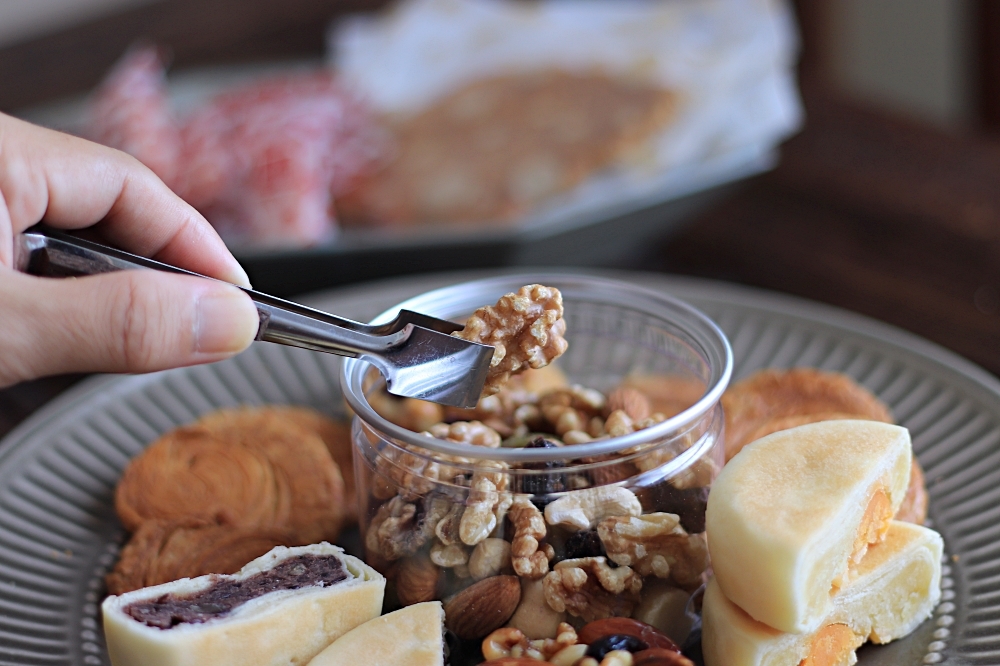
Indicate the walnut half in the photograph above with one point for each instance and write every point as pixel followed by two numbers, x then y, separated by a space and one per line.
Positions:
pixel 525 329
pixel 655 544
pixel 401 528
pixel 529 529
pixel 590 589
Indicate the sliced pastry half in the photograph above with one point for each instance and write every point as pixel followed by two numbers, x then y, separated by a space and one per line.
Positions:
pixel 896 586
pixel 411 636
pixel 282 608
pixel 793 513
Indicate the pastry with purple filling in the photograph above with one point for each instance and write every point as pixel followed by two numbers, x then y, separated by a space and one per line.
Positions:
pixel 282 608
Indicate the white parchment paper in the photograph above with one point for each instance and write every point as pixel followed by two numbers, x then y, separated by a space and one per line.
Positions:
pixel 731 61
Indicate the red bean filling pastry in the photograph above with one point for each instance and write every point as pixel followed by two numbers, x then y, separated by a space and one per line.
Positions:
pixel 224 595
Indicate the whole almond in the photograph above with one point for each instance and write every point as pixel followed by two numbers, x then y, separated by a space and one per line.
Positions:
pixel 479 609
pixel 631 401
pixel 416 580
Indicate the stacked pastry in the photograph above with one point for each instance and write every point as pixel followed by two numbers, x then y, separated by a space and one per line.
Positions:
pixel 211 496
pixel 809 563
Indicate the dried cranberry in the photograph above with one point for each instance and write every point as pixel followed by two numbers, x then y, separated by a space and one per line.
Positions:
pixel 687 503
pixel 539 485
pixel 583 544
pixel 605 644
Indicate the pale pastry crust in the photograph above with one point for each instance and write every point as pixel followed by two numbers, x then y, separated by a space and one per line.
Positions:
pixel 897 586
pixel 914 507
pixel 411 636
pixel 783 515
pixel 278 628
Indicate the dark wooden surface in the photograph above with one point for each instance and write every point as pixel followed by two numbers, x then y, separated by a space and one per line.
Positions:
pixel 987 43
pixel 18 402
pixel 890 219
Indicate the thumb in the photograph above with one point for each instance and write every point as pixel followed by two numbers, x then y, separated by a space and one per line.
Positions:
pixel 129 321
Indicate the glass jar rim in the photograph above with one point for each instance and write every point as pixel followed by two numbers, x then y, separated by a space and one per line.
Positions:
pixel 714 347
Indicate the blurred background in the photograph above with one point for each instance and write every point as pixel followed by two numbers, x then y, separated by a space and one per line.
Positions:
pixel 927 59
pixel 862 168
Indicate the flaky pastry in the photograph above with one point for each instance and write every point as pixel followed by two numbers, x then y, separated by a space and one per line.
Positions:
pixel 161 552
pixel 242 467
pixel 497 147
pixel 413 636
pixel 774 394
pixel 914 507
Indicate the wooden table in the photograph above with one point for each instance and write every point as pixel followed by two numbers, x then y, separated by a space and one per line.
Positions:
pixel 873 214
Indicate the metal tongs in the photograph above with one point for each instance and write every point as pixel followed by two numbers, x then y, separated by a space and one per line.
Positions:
pixel 414 352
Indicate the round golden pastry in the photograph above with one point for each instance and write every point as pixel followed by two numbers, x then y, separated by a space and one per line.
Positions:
pixel 243 467
pixel 162 552
pixel 310 484
pixel 337 437
pixel 498 146
pixel 668 394
pixel 772 394
pixel 192 474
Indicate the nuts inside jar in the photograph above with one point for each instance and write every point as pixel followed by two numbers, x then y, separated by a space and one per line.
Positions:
pixel 587 540
pixel 582 535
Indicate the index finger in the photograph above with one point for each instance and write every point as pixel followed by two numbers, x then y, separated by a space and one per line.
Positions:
pixel 72 183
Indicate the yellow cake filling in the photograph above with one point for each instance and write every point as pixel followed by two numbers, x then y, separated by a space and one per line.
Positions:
pixel 874 524
pixel 872 530
pixel 831 646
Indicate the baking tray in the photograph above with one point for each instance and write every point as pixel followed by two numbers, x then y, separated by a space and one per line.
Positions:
pixel 615 235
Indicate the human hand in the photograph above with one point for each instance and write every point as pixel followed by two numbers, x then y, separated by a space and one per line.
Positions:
pixel 130 321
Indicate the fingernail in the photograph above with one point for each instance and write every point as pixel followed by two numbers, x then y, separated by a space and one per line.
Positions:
pixel 226 321
pixel 238 276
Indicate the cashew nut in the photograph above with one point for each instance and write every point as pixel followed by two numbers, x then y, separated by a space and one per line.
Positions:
pixel 489 557
pixel 582 509
pixel 448 556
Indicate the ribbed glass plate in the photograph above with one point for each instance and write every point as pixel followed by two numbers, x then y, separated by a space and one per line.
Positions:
pixel 59 535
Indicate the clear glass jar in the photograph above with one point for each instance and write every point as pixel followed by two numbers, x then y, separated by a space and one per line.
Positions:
pixel 434 512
